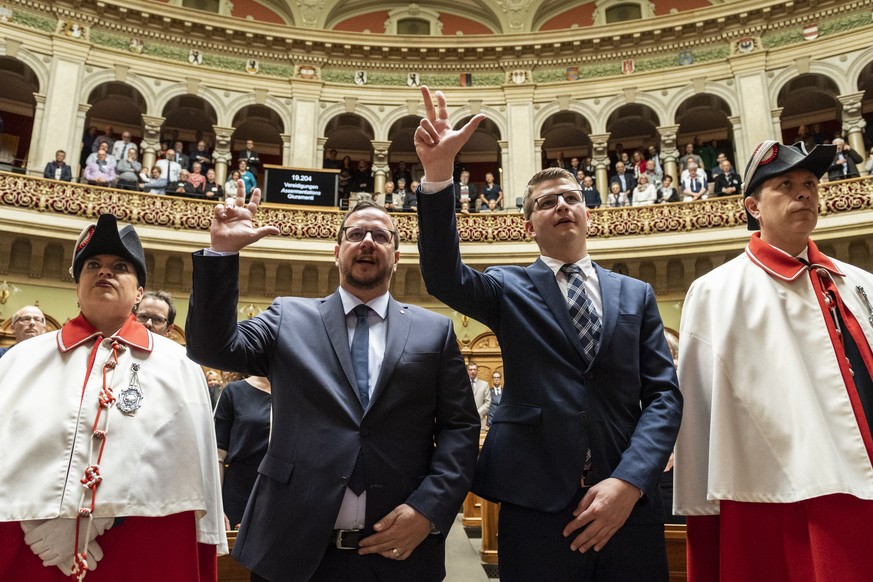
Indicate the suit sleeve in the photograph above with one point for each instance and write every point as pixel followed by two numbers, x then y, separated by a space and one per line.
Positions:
pixel 445 275
pixel 655 434
pixel 213 336
pixel 456 440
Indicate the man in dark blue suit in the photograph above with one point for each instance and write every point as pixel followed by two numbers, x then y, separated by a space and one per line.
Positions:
pixel 373 442
pixel 591 409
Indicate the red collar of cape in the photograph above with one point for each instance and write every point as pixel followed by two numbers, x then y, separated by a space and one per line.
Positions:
pixel 783 266
pixel 79 330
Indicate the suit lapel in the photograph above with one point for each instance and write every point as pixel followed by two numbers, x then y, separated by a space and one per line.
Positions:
pixel 610 292
pixel 334 319
pixel 399 323
pixel 544 279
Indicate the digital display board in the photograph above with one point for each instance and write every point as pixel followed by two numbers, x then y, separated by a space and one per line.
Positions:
pixel 300 186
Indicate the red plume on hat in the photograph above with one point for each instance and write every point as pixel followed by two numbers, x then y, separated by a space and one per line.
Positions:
pixel 105 238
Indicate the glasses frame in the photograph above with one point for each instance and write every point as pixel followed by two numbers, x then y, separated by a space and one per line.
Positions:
pixel 556 195
pixel 156 319
pixel 369 231
pixel 28 319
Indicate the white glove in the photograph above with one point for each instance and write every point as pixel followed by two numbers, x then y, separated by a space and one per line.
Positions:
pixel 53 540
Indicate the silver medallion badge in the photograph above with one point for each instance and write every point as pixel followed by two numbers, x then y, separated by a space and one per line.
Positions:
pixel 131 397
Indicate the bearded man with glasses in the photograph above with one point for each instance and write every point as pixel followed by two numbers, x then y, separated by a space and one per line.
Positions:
pixel 591 407
pixel 374 433
pixel 157 311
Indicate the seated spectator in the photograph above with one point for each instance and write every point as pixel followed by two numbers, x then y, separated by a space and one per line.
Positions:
pixel 128 170
pixel 667 192
pixel 728 182
pixel 231 185
pixel 247 177
pixel 465 207
pixel 196 178
pixel 201 155
pixel 110 159
pixel 120 147
pixel 845 164
pixel 464 190
pixel 653 172
pixel 492 207
pixel 402 192
pixel 100 172
pixel 616 196
pixel 58 170
pixel 410 202
pixel 590 193
pixel 155 183
pixel 170 168
pixel 212 190
pixel 624 179
pixel 184 187
pixel 694 184
pixel 390 199
pixel 492 191
pixel 644 193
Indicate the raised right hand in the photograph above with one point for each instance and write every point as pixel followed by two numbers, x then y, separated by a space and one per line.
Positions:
pixel 232 227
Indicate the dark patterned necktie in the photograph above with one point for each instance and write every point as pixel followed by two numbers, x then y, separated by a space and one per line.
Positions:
pixel 582 312
pixel 361 354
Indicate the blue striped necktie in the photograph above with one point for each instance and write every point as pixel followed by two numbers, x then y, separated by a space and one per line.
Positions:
pixel 582 312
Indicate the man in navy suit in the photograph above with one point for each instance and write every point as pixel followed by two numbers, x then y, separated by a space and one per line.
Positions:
pixel 373 443
pixel 590 413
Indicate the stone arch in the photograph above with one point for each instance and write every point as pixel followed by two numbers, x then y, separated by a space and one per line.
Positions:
pixel 118 104
pixel 482 153
pixel 591 115
pixel 263 125
pixel 350 134
pixel 241 102
pixel 566 135
pixel 257 279
pixel 174 272
pixel 634 125
pixel 703 118
pixel 365 113
pixel 809 100
pixel 53 260
pixel 188 116
pixel 18 84
pixel 19 256
pixel 716 89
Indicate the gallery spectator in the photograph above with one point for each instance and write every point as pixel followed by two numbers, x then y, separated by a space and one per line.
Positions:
pixel 575 166
pixel 390 199
pixel 201 155
pixel 590 193
pixel 362 178
pixel 728 182
pixel 58 170
pixel 154 183
pixel 410 202
pixel 196 178
pixel 231 185
pixel 330 162
pixel 709 153
pixel 845 162
pixel 250 157
pixel 104 147
pixel 588 167
pixel 183 187
pixel 655 156
pixel 616 196
pixel 492 191
pixel 465 190
pixel 401 171
pixel 624 179
pixel 247 177
pixel 689 153
pixel 181 156
pixel 87 145
pixel 170 168
pixel 211 189
pixel 128 170
pixel 99 172
pixel 694 184
pixel 869 166
pixel 667 192
pixel 653 172
pixel 345 177
pixel 639 164
pixel 215 385
pixel 105 138
pixel 644 193
pixel 715 171
pixel 121 147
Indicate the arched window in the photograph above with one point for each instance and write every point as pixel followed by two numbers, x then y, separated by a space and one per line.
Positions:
pixel 613 11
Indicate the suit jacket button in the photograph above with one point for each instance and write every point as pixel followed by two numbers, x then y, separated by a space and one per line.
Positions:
pixel 583 415
pixel 344 481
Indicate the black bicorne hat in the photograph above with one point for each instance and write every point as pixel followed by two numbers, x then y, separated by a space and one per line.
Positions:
pixel 773 159
pixel 104 238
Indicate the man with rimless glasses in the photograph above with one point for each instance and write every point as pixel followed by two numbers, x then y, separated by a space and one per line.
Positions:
pixel 374 433
pixel 591 407
pixel 27 322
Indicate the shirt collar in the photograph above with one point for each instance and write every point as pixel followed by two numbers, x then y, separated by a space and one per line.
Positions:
pixel 779 264
pixel 79 330
pixel 379 304
pixel 584 263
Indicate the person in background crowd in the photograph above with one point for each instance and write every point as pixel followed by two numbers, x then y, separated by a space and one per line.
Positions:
pixel 728 182
pixel 197 179
pixel 181 156
pixel 154 183
pixel 109 447
pixel 105 138
pixel 87 145
pixel 212 190
pixel 362 178
pixel 410 202
pixel 58 169
pixel 590 193
pixel 27 322
pixel 247 177
pixel 330 162
pixel 845 164
pixel 183 187
pixel 128 170
pixel 231 184
pixel 215 384
pixel 100 172
pixel 170 168
pixel 250 157
pixel 242 432
pixel 121 147
pixel 492 191
pixel 201 155
pixel 616 197
pixel 157 312
pixel 496 395
pixel 644 193
pixel 667 192
pixel 345 178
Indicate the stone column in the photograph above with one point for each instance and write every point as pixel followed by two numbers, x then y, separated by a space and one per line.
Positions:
pixel 521 135
pixel 35 165
pixel 222 153
pixel 538 154
pixel 752 88
pixel 380 164
pixel 74 153
pixel 304 120
pixel 669 151
pixel 319 151
pixel 286 149
pixel 151 140
pixel 853 125
pixel 740 152
pixel 776 121
pixel 600 157
pixel 502 171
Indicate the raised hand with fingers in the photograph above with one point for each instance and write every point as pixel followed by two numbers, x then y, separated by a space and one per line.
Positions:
pixel 436 143
pixel 232 228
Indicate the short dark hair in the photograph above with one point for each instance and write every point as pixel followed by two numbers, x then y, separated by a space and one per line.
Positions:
pixel 363 205
pixel 161 295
